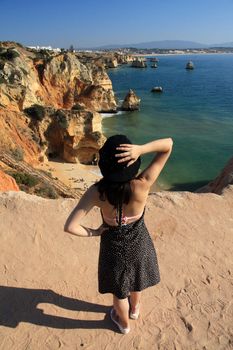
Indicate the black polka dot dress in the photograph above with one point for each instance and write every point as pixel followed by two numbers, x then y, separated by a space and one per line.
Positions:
pixel 127 259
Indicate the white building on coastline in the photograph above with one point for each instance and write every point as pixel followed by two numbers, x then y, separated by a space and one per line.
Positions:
pixel 44 48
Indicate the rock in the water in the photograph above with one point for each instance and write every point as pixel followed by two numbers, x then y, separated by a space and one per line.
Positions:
pixel 190 65
pixel 131 102
pixel 157 89
pixel 139 63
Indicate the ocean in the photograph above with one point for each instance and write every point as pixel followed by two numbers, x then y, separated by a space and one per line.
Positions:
pixel 195 109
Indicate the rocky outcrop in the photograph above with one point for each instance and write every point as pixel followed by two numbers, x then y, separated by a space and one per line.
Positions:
pixel 112 62
pixel 224 179
pixel 7 182
pixel 46 185
pixel 47 81
pixel 17 137
pixel 73 135
pixel 131 102
pixel 96 98
pixel 30 77
pixel 139 62
pixel 107 60
pixel 123 58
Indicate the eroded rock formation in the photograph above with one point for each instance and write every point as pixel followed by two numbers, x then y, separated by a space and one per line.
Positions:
pixel 57 80
pixel 224 179
pixel 17 137
pixel 53 82
pixel 7 182
pixel 74 135
pixel 131 102
pixel 139 62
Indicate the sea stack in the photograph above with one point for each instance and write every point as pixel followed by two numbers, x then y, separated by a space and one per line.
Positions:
pixel 131 102
pixel 139 62
pixel 190 65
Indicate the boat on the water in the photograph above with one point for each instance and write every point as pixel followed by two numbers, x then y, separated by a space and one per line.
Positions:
pixel 157 89
pixel 154 59
pixel 190 65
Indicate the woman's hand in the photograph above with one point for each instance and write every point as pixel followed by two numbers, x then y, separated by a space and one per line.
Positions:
pixel 131 153
pixel 100 230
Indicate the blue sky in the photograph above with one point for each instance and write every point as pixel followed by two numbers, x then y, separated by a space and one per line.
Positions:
pixel 86 23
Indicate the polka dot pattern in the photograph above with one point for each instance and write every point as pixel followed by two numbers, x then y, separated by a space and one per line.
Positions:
pixel 127 259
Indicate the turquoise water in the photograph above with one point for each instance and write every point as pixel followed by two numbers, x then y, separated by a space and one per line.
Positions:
pixel 195 109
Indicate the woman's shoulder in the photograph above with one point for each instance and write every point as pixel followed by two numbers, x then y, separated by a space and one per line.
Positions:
pixel 92 192
pixel 140 189
pixel 139 184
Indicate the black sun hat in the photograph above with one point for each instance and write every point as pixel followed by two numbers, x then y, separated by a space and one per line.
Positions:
pixel 108 163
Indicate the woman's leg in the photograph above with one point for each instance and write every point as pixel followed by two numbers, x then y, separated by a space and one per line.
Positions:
pixel 134 298
pixel 121 306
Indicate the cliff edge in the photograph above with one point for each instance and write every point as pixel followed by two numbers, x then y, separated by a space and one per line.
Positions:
pixel 49 293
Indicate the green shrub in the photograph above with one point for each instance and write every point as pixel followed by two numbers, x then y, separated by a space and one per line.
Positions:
pixel 35 138
pixel 77 107
pixel 13 77
pixel 48 173
pixel 9 54
pixel 47 192
pixel 36 112
pixel 61 119
pixel 24 179
pixel 96 135
pixel 17 154
pixel 62 66
pixel 40 69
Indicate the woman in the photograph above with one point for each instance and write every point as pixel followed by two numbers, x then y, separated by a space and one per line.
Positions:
pixel 127 257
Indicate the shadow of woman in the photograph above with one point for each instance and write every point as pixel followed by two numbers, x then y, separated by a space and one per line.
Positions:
pixel 20 305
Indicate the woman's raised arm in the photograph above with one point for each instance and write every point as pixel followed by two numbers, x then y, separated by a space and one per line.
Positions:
pixel 162 148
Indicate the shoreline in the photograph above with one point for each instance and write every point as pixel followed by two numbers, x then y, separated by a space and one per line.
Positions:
pixel 181 54
pixel 79 176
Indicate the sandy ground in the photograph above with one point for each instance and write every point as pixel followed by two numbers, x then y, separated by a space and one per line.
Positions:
pixel 48 278
pixel 77 176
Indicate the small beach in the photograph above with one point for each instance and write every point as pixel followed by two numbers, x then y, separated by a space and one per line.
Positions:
pixel 77 176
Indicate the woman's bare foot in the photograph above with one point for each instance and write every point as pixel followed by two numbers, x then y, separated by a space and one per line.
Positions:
pixel 134 311
pixel 115 318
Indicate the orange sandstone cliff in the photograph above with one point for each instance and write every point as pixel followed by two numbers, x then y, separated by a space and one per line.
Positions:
pixel 31 83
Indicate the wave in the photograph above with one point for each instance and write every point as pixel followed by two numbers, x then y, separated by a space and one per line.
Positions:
pixel 109 115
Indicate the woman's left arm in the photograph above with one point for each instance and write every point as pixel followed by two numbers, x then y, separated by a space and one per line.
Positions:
pixel 86 203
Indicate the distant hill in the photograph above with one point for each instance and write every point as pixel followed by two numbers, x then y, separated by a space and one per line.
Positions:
pixel 163 44
pixel 229 44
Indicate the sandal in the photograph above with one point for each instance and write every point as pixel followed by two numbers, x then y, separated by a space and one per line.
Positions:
pixel 122 329
pixel 135 315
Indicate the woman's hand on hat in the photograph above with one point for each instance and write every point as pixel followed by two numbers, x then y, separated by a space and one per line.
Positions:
pixel 130 153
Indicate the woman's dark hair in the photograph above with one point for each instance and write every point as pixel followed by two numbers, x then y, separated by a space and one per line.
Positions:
pixel 116 193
